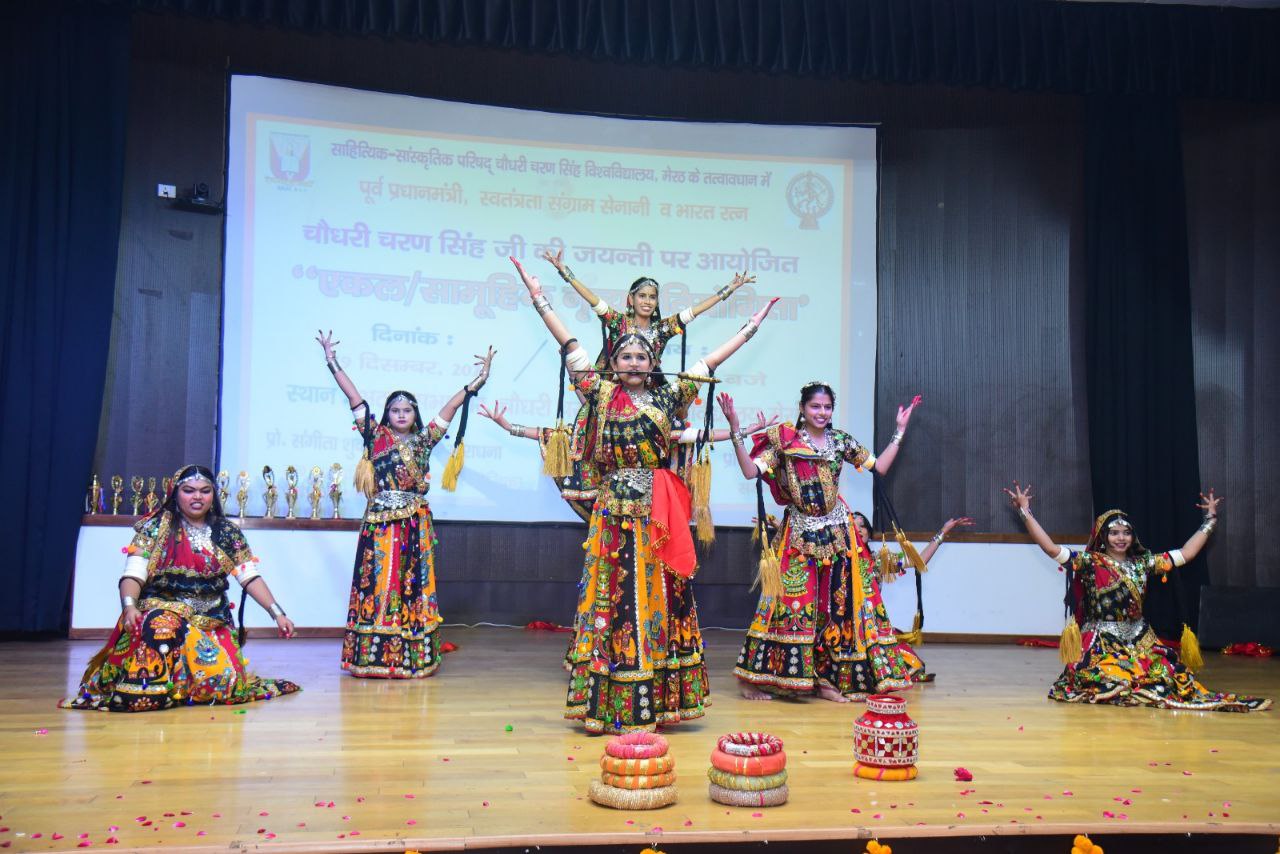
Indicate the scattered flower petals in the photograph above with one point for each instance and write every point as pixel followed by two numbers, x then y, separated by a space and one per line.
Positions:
pixel 42 731
pixel 202 833
pixel 111 840
pixel 688 822
pixel 179 824
pixel 55 836
pixel 411 822
pixel 963 775
pixel 410 796
pixel 757 814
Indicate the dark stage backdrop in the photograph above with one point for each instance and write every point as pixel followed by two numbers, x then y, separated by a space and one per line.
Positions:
pixel 63 101
pixel 1232 158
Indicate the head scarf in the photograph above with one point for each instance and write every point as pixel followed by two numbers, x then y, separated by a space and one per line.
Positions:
pixel 1098 537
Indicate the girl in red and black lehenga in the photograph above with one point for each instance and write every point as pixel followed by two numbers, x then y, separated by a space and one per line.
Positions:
pixel 393 617
pixel 1110 653
pixel 173 643
pixel 821 625
pixel 636 659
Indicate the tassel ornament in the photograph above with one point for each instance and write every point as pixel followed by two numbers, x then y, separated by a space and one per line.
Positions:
pixel 363 479
pixel 915 637
pixel 769 572
pixel 453 467
pixel 909 550
pixel 558 462
pixel 700 487
pixel 1070 646
pixel 1191 655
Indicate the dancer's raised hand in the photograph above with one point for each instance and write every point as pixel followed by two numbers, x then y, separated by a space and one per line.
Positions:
pixel 1020 496
pixel 1209 503
pixel 498 415
pixel 727 407
pixel 904 412
pixel 759 424
pixel 327 342
pixel 530 280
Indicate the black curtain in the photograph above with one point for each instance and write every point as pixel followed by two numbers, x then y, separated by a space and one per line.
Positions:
pixel 62 129
pixel 1031 45
pixel 1141 379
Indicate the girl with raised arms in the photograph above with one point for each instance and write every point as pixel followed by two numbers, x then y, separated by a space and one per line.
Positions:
pixel 636 658
pixel 820 626
pixel 393 618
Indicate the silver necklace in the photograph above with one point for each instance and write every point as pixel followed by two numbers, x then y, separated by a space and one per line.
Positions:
pixel 201 536
pixel 641 398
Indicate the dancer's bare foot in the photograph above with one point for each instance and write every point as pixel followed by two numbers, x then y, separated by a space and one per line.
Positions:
pixel 827 692
pixel 750 692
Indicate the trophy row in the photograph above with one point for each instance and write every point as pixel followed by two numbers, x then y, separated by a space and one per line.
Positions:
pixel 145 498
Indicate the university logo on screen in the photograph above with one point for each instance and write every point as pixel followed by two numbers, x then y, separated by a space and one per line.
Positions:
pixel 290 162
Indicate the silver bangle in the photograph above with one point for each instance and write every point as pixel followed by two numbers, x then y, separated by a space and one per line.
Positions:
pixel 128 602
pixel 516 430
pixel 736 437
pixel 1210 522
pixel 725 292
pixel 566 274
pixel 748 329
pixel 275 610
pixel 1024 513
pixel 541 304
pixel 897 437
pixel 334 367
pixel 938 537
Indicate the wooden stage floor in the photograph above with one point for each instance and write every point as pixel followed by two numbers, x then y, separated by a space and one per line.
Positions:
pixel 354 765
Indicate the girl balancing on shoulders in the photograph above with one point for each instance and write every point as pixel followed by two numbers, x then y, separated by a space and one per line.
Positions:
pixel 393 618
pixel 173 643
pixel 636 658
pixel 641 315
pixel 820 626
pixel 1119 659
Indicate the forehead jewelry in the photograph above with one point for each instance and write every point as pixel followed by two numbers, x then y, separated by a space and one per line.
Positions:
pixel 402 398
pixel 194 477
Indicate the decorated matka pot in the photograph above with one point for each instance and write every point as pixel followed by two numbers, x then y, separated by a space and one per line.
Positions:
pixel 886 742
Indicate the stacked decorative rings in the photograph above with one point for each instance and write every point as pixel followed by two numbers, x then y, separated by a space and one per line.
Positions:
pixel 748 769
pixel 636 773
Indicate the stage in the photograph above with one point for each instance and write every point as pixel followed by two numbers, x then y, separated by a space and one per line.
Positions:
pixel 353 765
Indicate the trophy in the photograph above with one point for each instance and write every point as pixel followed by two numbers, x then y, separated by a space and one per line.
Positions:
pixel 135 483
pixel 224 488
pixel 95 496
pixel 168 485
pixel 152 500
pixel 316 477
pixel 117 487
pixel 272 493
pixel 291 493
pixel 242 493
pixel 335 488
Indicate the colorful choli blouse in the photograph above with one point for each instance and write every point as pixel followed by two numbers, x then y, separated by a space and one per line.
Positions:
pixel 627 440
pixel 401 465
pixel 805 479
pixel 184 568
pixel 1109 593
